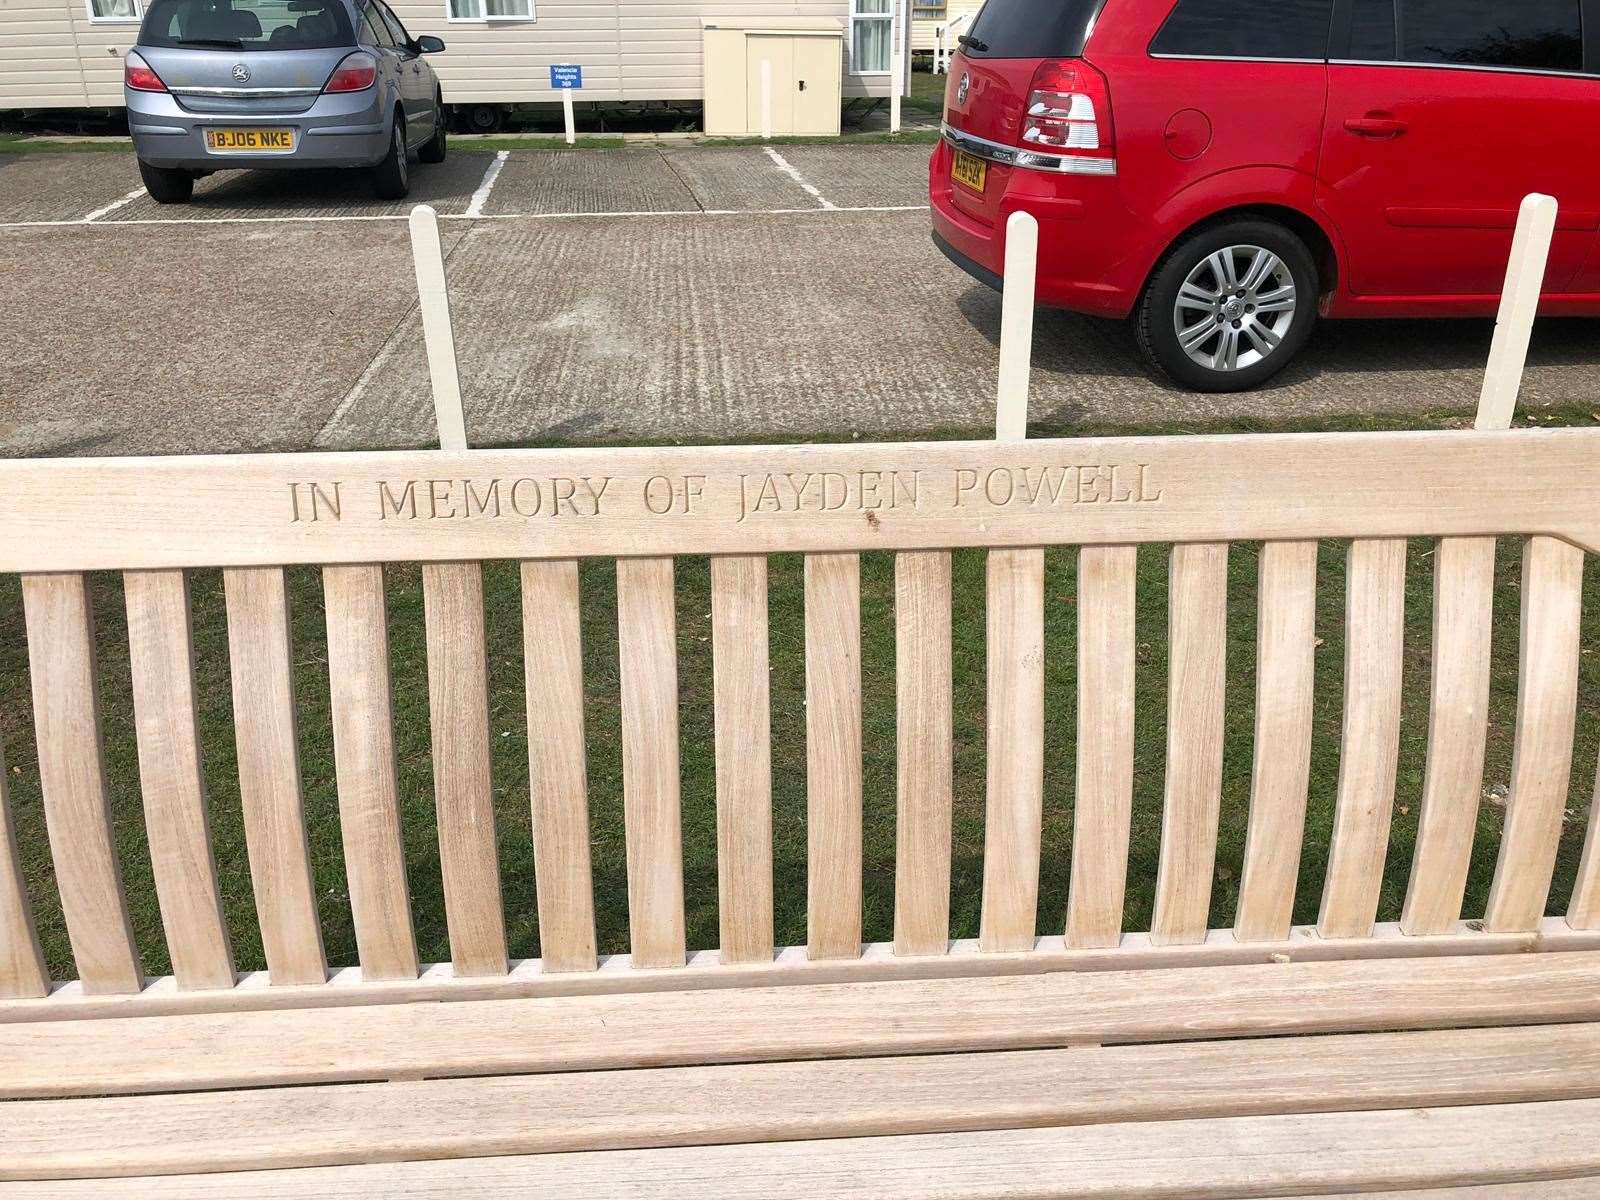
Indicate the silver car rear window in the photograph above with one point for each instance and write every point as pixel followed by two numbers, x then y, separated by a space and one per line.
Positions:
pixel 247 24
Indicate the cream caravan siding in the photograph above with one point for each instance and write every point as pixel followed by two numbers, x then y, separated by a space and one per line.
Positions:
pixel 629 49
pixel 101 45
pixel 925 21
pixel 39 56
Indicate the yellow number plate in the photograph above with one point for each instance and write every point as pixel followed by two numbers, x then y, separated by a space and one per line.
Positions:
pixel 969 169
pixel 250 141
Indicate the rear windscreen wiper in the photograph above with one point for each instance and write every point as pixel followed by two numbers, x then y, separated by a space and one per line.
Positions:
pixel 225 43
pixel 972 43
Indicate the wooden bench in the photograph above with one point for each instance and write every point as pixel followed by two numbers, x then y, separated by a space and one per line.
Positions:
pixel 1070 1058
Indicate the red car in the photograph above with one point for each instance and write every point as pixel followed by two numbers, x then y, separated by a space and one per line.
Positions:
pixel 1224 171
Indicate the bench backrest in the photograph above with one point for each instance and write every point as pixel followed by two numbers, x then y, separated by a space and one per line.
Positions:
pixel 153 519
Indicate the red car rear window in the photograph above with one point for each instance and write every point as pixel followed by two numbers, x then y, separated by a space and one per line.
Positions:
pixel 1032 28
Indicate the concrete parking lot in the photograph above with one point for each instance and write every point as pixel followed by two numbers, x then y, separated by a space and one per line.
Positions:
pixel 657 292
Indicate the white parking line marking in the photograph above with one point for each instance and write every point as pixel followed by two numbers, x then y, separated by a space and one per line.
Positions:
pixel 566 216
pixel 113 206
pixel 479 197
pixel 784 165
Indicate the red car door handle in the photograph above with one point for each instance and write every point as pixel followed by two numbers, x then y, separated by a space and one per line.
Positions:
pixel 1375 127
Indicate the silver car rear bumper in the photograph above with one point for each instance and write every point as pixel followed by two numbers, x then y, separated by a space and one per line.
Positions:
pixel 335 131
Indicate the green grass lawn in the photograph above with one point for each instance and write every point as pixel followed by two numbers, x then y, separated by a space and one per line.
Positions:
pixel 787 657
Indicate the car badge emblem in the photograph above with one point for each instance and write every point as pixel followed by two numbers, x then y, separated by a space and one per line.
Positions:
pixel 961 88
pixel 241 72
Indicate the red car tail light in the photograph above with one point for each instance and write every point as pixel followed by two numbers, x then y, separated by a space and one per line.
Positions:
pixel 136 73
pixel 356 73
pixel 1069 117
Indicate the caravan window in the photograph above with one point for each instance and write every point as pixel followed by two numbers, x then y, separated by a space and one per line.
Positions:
pixel 115 10
pixel 489 10
pixel 870 22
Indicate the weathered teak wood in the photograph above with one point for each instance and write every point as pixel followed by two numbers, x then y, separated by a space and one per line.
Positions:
pixel 559 778
pixel 833 755
pixel 1285 666
pixel 1547 698
pixel 1198 620
pixel 262 664
pixel 22 969
pixel 171 782
pixel 66 717
pixel 458 712
pixel 363 747
pixel 1219 1158
pixel 1369 753
pixel 923 747
pixel 1014 807
pixel 1458 725
pixel 763 1102
pixel 857 1020
pixel 1103 805
pixel 741 697
pixel 1584 910
pixel 87 514
pixel 647 626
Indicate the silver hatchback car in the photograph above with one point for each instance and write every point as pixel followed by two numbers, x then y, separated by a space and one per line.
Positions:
pixel 215 85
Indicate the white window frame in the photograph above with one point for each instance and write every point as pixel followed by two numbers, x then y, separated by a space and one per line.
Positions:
pixel 488 18
pixel 94 19
pixel 856 16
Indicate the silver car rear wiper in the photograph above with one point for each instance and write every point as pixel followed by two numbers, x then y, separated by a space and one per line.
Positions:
pixel 225 43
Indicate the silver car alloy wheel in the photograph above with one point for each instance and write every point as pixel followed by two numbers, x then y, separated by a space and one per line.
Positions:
pixel 400 152
pixel 1235 308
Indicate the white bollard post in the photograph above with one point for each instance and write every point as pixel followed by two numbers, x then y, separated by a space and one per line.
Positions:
pixel 566 113
pixel 1519 305
pixel 766 99
pixel 1016 328
pixel 896 65
pixel 437 335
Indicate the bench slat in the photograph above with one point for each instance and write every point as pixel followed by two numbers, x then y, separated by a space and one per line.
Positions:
pixel 1215 1158
pixel 261 661
pixel 364 764
pixel 1103 805
pixel 833 755
pixel 22 970
pixel 647 628
pixel 171 779
pixel 485 1037
pixel 923 749
pixel 558 764
pixel 1458 725
pixel 766 1102
pixel 66 714
pixel 1286 635
pixel 1196 699
pixel 1370 746
pixel 463 787
pixel 742 691
pixel 1547 699
pixel 1583 912
pixel 1014 803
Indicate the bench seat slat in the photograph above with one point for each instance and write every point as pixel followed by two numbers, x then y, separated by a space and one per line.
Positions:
pixel 1369 749
pixel 610 1110
pixel 1541 764
pixel 22 970
pixel 1216 1158
pixel 116 1055
pixel 364 763
pixel 458 716
pixel 1014 795
pixel 1286 633
pixel 647 631
pixel 66 713
pixel 833 755
pixel 1196 698
pixel 1103 803
pixel 923 748
pixel 1458 726
pixel 171 782
pixel 558 764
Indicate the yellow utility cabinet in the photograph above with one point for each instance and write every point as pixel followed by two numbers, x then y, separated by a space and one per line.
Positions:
pixel 805 57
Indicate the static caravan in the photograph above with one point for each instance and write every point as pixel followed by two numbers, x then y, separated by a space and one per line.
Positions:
pixel 68 53
pixel 926 18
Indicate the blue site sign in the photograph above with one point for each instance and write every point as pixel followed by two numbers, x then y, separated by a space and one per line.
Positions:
pixel 566 76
